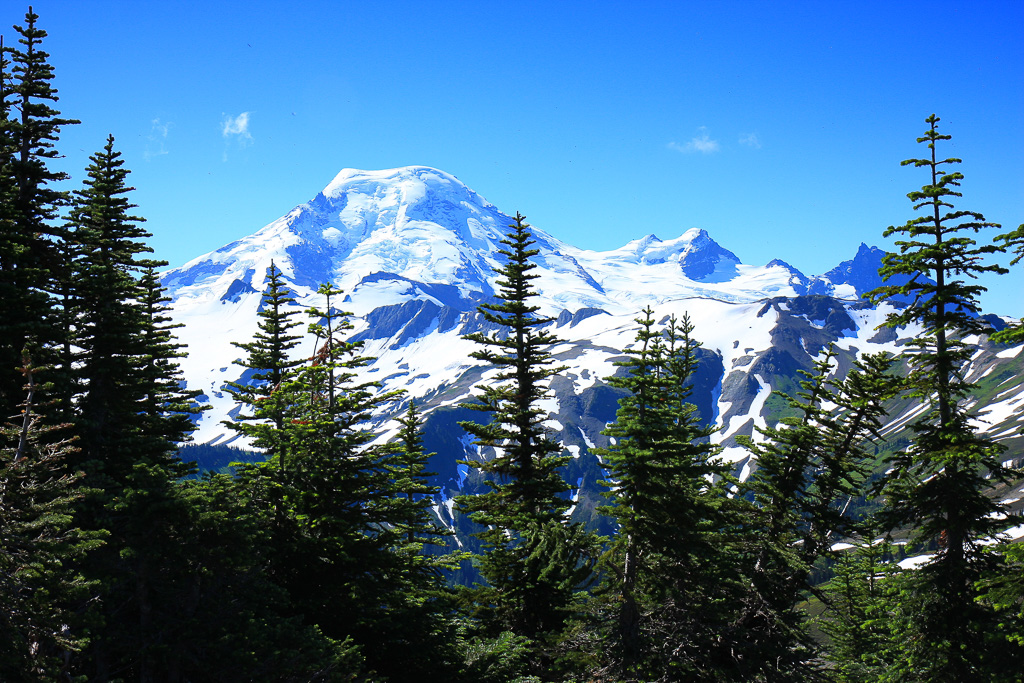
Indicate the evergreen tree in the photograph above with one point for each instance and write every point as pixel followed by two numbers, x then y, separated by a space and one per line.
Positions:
pixel 858 602
pixel 108 319
pixel 31 258
pixel 131 414
pixel 669 566
pixel 419 629
pixel 938 486
pixel 807 470
pixel 168 409
pixel 535 558
pixel 347 542
pixel 10 250
pixel 414 495
pixel 269 355
pixel 268 364
pixel 40 548
pixel 1013 242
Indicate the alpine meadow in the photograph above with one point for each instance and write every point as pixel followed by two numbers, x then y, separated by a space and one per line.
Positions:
pixel 400 435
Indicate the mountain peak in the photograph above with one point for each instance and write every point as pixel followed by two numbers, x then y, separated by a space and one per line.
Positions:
pixel 704 259
pixel 696 235
pixel 403 177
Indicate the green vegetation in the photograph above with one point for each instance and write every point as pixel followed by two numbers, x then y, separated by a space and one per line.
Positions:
pixel 535 559
pixel 322 559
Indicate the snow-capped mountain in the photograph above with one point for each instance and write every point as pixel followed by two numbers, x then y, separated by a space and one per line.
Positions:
pixel 414 249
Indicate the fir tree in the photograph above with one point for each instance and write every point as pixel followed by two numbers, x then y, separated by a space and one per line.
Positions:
pixel 268 356
pixel 807 470
pixel 1013 242
pixel 418 634
pixel 669 565
pixel 30 254
pixel 268 364
pixel 340 544
pixel 168 408
pixel 131 415
pixel 535 558
pixel 107 317
pixel 41 548
pixel 858 603
pixel 415 496
pixel 938 486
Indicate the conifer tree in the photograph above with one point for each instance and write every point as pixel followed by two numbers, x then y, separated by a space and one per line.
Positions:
pixel 1013 242
pixel 535 558
pixel 858 602
pixel 268 364
pixel 168 408
pixel 30 254
pixel 10 249
pixel 268 355
pixel 340 544
pixel 938 485
pixel 109 322
pixel 808 468
pixel 417 633
pixel 670 565
pixel 131 414
pixel 41 547
pixel 415 496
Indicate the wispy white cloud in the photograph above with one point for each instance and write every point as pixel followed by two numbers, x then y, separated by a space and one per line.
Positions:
pixel 750 140
pixel 156 140
pixel 701 142
pixel 237 127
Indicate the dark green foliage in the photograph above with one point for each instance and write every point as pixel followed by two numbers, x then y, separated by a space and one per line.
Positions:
pixel 535 558
pixel 39 548
pixel 859 599
pixel 671 564
pixel 31 253
pixel 1004 590
pixel 938 485
pixel 503 659
pixel 114 329
pixel 268 358
pixel 212 611
pixel 1013 242
pixel 268 364
pixel 808 469
pixel 130 415
pixel 168 408
pixel 413 497
pixel 350 521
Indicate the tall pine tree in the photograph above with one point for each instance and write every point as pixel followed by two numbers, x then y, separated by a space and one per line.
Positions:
pixel 808 469
pixel 268 364
pixel 351 523
pixel 41 548
pixel 535 558
pixel 670 565
pixel 32 261
pixel 131 413
pixel 108 320
pixel 938 486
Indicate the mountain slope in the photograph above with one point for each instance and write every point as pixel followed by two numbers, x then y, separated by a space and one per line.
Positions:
pixel 414 250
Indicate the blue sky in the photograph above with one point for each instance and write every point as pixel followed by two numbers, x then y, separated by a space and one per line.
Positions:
pixel 778 127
